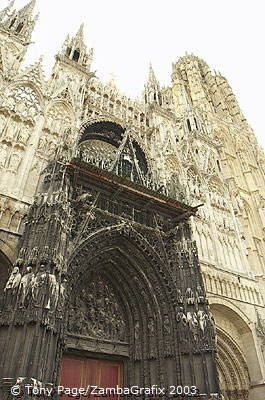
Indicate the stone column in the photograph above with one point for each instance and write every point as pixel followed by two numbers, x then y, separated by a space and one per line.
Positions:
pixel 33 306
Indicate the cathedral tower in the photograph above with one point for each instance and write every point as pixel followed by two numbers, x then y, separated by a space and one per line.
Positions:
pixel 16 28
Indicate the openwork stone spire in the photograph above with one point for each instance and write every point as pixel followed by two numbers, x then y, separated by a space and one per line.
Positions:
pixel 75 49
pixel 19 23
pixel 6 11
pixel 152 92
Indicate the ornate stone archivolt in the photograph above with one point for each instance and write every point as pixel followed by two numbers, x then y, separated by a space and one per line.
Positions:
pixel 233 369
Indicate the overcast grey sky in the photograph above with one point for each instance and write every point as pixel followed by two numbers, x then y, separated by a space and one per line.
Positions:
pixel 126 35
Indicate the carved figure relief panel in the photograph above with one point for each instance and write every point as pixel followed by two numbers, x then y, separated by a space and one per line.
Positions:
pixel 95 312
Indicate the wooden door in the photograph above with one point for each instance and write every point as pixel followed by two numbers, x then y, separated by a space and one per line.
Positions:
pixel 79 372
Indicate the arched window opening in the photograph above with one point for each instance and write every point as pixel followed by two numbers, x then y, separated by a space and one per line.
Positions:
pixel 196 123
pixel 218 165
pixel 140 157
pixel 12 23
pixel 76 55
pixel 155 96
pixel 19 27
pixel 189 125
pixel 106 131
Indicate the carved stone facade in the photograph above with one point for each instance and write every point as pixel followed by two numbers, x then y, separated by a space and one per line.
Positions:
pixel 101 199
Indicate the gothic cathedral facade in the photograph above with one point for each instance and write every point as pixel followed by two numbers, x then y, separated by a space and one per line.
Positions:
pixel 131 232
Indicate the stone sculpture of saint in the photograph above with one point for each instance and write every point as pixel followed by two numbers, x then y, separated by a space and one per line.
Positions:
pixel 52 292
pixel 62 296
pixel 23 136
pixel 189 296
pixel 202 317
pixel 137 331
pixel 182 320
pixel 39 287
pixel 25 287
pixel 137 341
pixel 179 297
pixel 212 328
pixel 12 286
pixel 193 324
pixel 14 279
pixel 3 155
pixel 200 295
pixel 167 329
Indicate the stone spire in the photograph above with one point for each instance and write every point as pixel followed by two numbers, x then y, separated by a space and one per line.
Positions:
pixel 75 49
pixel 80 33
pixel 34 73
pixel 28 8
pixel 6 11
pixel 16 27
pixel 151 77
pixel 19 23
pixel 152 92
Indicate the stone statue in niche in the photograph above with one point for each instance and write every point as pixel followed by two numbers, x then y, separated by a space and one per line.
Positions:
pixel 167 332
pixel 14 279
pixel 10 131
pixel 193 324
pixel 167 329
pixel 189 296
pixel 181 319
pixel 3 154
pixel 12 286
pixel 137 355
pixel 200 295
pixel 137 330
pixel 202 319
pixel 151 335
pixel 42 144
pixel 25 288
pixel 14 162
pixel 62 298
pixel 52 292
pixel 211 324
pixel 179 297
pixel 39 287
pixel 23 135
pixel 3 121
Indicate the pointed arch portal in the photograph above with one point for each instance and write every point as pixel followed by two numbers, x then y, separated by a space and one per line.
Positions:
pixel 117 285
pixel 124 307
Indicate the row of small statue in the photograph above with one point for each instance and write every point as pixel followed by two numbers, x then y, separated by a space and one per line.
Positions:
pixel 40 289
pixel 104 326
pixel 197 322
pixel 190 297
pixel 96 159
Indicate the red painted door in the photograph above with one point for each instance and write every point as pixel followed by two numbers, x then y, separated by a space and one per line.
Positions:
pixel 79 372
